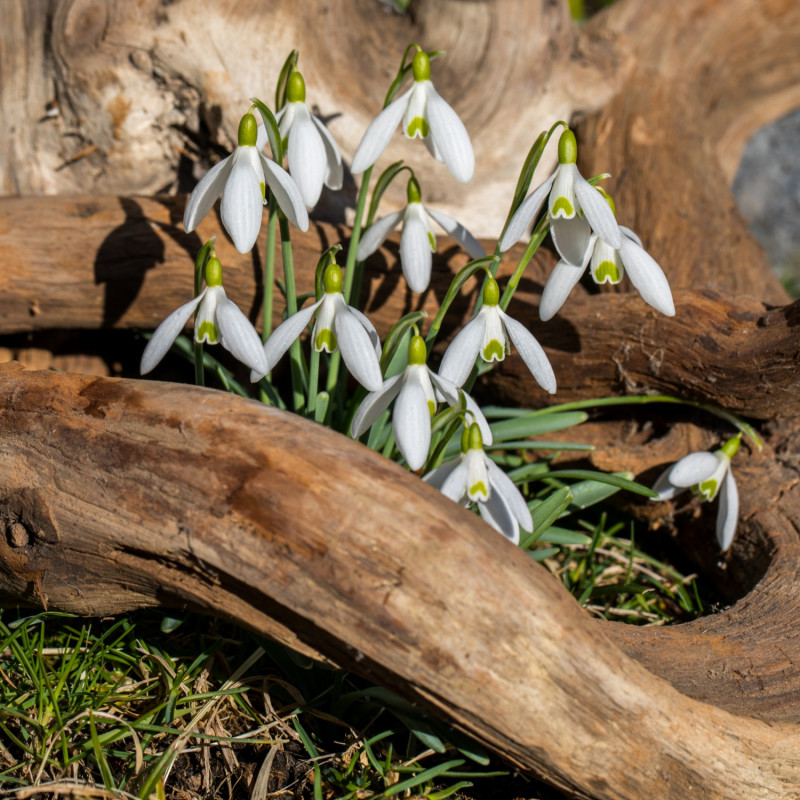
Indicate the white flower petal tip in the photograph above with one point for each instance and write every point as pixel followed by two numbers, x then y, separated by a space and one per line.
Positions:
pixel 450 137
pixel 379 133
pixel 166 333
pixel 525 214
pixel 646 275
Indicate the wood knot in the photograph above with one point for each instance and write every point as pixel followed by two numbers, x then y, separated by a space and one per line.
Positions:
pixel 17 535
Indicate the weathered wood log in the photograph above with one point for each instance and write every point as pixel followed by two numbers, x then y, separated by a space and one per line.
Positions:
pixel 115 497
pixel 133 267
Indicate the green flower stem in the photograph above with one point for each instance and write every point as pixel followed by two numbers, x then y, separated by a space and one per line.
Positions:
pixel 538 237
pixel 351 287
pixel 269 268
pixel 291 308
pixel 313 382
pixel 269 288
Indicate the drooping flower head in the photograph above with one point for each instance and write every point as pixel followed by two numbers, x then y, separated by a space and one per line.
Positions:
pixel 218 320
pixel 707 474
pixel 417 240
pixel 314 157
pixel 337 326
pixel 474 478
pixel 571 197
pixel 487 336
pixel 415 389
pixel 607 265
pixel 424 114
pixel 242 179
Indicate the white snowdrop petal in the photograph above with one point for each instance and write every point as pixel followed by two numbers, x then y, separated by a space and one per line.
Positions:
pixel 525 214
pixel 166 333
pixel 665 489
pixel 308 164
pixel 467 241
pixel 242 205
pixel 379 133
pixel 647 277
pixel 373 405
pixel 374 236
pixel 239 337
pixel 597 211
pixel 357 350
pixel 437 476
pixel 496 512
pixel 282 337
pixel 450 137
pixel 562 203
pixel 511 494
pixel 693 469
pixel 460 356
pixel 572 238
pixel 334 177
pixel 531 352
pixel 454 486
pixel 205 194
pixel 287 195
pixel 728 513
pixel 630 234
pixel 370 329
pixel 561 282
pixel 411 424
pixel 415 253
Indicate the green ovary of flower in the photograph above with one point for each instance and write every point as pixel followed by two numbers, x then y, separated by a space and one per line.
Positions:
pixel 332 279
pixel 471 438
pixel 207 331
pixel 326 340
pixel 213 272
pixel 418 124
pixel 295 88
pixel 567 148
pixel 413 193
pixel 491 292
pixel 421 66
pixel 248 131
pixel 607 272
pixel 417 352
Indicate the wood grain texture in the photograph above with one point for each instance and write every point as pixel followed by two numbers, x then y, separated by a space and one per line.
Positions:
pixel 129 501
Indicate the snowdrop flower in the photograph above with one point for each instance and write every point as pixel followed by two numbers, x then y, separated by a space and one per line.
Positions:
pixel 417 242
pixel 338 325
pixel 475 478
pixel 241 179
pixel 707 474
pixel 415 389
pixel 570 195
pixel 607 265
pixel 486 335
pixel 424 114
pixel 218 320
pixel 314 158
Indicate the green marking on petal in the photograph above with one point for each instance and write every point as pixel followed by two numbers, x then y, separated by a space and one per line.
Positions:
pixel 326 340
pixel 708 489
pixel 564 205
pixel 607 272
pixel 207 332
pixel 431 407
pixel 418 124
pixel 432 241
pixel 263 191
pixel 494 351
pixel 478 488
